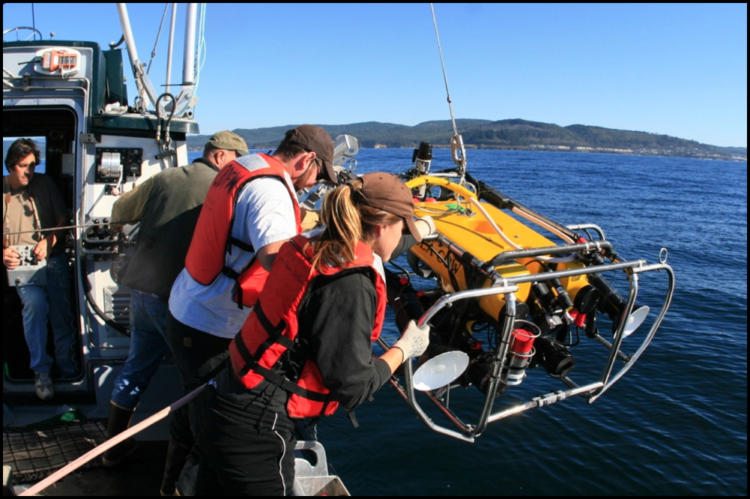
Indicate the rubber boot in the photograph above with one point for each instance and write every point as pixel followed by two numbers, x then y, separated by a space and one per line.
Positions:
pixel 119 420
pixel 177 453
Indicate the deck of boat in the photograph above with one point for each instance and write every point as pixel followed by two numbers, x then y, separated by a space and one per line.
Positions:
pixel 35 454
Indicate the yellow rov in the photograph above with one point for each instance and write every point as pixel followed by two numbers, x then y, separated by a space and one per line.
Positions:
pixel 506 291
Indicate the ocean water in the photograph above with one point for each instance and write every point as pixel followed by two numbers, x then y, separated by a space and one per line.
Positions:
pixel 676 424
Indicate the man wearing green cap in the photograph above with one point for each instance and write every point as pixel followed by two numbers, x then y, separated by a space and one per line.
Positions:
pixel 167 206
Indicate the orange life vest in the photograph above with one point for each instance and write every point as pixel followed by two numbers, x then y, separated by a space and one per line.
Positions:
pixel 212 238
pixel 272 327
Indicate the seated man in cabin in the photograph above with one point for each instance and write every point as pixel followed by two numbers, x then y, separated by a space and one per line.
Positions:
pixel 167 206
pixel 32 205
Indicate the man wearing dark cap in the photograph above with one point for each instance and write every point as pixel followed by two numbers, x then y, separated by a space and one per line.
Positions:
pixel 167 206
pixel 251 209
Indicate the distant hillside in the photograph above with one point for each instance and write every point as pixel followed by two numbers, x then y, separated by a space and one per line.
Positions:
pixel 503 134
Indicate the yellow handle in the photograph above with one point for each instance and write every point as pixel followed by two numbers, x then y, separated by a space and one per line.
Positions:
pixel 441 181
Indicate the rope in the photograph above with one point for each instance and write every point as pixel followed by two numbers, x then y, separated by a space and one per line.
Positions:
pixel 200 50
pixel 108 444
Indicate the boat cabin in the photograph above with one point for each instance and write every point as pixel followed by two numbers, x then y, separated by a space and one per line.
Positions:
pixel 70 97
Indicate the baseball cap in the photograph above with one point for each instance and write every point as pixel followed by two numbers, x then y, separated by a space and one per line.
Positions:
pixel 387 192
pixel 314 138
pixel 229 141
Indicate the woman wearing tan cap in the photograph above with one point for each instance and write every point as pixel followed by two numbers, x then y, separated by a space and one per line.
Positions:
pixel 306 347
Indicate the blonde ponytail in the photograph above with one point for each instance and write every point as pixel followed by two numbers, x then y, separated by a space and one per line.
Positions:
pixel 343 228
pixel 347 220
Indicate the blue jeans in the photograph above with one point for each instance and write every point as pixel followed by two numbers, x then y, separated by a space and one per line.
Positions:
pixel 50 300
pixel 148 319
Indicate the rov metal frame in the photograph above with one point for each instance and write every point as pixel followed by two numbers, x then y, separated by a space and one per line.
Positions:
pixel 508 287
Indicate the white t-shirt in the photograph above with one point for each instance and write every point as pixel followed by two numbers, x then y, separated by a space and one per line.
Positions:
pixel 264 214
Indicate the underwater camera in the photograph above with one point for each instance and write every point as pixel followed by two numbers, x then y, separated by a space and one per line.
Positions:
pixel 553 356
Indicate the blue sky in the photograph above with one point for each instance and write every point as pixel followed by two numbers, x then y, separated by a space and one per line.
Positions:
pixel 675 69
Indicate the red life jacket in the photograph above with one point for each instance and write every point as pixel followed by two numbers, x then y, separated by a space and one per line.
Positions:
pixel 212 237
pixel 272 327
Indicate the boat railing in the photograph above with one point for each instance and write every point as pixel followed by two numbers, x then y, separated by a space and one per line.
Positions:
pixel 33 32
pixel 508 287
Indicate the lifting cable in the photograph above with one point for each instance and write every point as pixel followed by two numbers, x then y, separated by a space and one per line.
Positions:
pixel 458 153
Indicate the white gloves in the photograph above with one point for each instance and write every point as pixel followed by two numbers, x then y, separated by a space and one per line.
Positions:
pixel 427 228
pixel 414 340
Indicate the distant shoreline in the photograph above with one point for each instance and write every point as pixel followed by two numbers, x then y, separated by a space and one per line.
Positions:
pixel 571 149
pixel 512 134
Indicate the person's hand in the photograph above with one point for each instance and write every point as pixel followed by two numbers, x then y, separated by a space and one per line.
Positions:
pixel 11 258
pixel 427 227
pixel 41 249
pixel 414 340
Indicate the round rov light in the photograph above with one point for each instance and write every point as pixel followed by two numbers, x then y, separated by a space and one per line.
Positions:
pixel 635 320
pixel 440 370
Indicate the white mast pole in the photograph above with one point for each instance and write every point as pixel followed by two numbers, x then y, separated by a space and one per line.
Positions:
pixel 171 44
pixel 188 68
